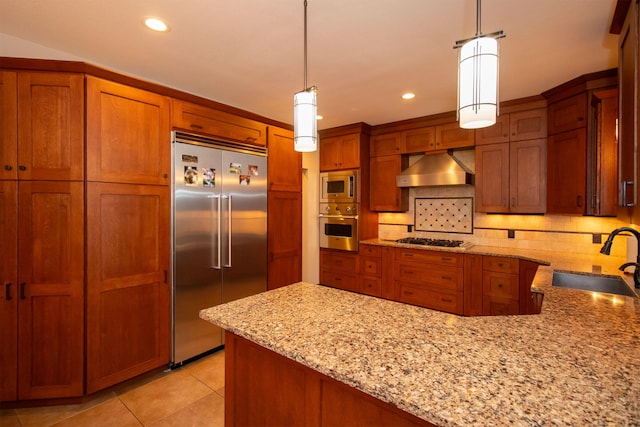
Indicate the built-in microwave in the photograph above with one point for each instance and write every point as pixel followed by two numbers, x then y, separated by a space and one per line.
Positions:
pixel 339 186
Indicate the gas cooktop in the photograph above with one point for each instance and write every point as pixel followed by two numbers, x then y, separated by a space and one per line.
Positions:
pixel 435 242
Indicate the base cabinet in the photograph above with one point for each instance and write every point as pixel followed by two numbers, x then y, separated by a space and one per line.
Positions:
pixel 42 332
pixel 265 388
pixel 339 269
pixel 128 290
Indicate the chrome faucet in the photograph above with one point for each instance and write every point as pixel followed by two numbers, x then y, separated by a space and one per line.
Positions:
pixel 606 249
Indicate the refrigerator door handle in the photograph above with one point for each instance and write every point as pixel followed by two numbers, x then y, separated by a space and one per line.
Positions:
pixel 229 233
pixel 217 239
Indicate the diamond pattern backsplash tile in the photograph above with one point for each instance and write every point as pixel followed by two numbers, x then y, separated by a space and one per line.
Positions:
pixel 445 215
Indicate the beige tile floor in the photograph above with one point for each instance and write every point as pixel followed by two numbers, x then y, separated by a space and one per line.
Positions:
pixel 189 396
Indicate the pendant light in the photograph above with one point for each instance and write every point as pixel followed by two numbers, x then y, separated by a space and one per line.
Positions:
pixel 478 78
pixel 305 107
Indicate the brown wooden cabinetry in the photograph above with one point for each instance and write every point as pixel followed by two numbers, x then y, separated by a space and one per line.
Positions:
pixel 218 124
pixel 451 135
pixel 430 279
pixel 265 388
pixel 42 126
pixel 128 222
pixel 626 23
pixel 128 289
pixel 41 235
pixel 511 159
pixel 284 201
pixel 384 194
pixel 339 269
pixel 500 284
pixel 127 134
pixel 340 152
pixel 42 332
pixel 576 146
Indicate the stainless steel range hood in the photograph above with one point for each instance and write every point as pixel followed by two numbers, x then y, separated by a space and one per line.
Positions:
pixel 435 169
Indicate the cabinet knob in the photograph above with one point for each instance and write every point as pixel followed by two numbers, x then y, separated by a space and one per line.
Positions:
pixel 22 168
pixel 7 167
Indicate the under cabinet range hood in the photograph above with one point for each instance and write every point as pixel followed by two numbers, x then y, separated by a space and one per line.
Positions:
pixel 435 169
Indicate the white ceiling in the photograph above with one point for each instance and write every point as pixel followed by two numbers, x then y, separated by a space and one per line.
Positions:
pixel 362 54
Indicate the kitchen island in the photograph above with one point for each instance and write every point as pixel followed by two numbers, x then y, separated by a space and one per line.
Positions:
pixel 575 363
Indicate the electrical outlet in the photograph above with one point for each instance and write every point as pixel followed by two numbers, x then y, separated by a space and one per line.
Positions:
pixel 409 228
pixel 511 234
pixel 597 238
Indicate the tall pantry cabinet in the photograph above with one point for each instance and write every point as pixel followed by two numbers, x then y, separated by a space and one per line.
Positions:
pixel 128 223
pixel 42 207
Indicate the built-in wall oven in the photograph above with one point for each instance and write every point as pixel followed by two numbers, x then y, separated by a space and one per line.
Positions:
pixel 339 226
pixel 339 210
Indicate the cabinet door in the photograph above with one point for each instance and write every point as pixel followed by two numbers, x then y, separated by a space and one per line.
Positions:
pixel 284 164
pixel 8 291
pixel 50 126
pixel 528 176
pixel 384 194
pixel 51 289
pixel 629 109
pixel 385 145
pixel 529 124
pixel 350 151
pixel 499 132
pixel 418 140
pixel 128 134
pixel 329 153
pixel 566 172
pixel 492 178
pixel 128 291
pixel 219 124
pixel 8 125
pixel 452 135
pixel 284 238
pixel 568 114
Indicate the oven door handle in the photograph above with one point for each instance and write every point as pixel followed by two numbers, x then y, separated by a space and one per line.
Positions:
pixel 338 216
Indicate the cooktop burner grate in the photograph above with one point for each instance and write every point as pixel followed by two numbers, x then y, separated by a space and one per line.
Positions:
pixel 431 242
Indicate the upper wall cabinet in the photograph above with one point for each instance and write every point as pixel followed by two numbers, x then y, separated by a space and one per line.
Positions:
pixel 581 141
pixel 284 163
pixel 340 152
pixel 229 127
pixel 128 134
pixel 42 126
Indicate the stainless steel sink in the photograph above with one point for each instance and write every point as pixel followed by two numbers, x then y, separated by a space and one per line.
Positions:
pixel 593 283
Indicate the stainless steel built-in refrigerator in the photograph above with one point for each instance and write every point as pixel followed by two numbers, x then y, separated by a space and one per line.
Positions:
pixel 219 235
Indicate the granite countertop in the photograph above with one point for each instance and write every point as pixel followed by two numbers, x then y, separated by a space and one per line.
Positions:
pixel 575 363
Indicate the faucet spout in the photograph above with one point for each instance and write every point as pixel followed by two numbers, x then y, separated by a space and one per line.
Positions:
pixel 606 250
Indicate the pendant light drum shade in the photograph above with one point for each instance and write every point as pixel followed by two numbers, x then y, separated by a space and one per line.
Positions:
pixel 305 129
pixel 478 83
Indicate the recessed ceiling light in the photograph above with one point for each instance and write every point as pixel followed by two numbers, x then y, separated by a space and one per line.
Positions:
pixel 408 95
pixel 156 25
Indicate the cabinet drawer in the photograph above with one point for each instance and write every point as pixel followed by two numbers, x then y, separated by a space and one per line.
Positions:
pixel 370 250
pixel 441 277
pixel 201 119
pixel 500 264
pixel 432 257
pixel 436 299
pixel 370 286
pixel 339 261
pixel 568 114
pixel 492 306
pixel 348 282
pixel 371 266
pixel 500 285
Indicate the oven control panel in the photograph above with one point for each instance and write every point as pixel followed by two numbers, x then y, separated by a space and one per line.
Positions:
pixel 338 209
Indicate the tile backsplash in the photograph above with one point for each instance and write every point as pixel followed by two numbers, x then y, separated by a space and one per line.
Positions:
pixel 573 234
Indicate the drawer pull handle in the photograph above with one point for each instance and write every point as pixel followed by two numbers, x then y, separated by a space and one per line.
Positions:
pixel 7 292
pixel 446 277
pixel 408 293
pixel 446 300
pixel 337 279
pixel 500 264
pixel 446 258
pixel 22 293
pixel 195 126
pixel 407 255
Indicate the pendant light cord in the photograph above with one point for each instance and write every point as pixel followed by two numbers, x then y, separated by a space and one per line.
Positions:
pixel 478 6
pixel 305 44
